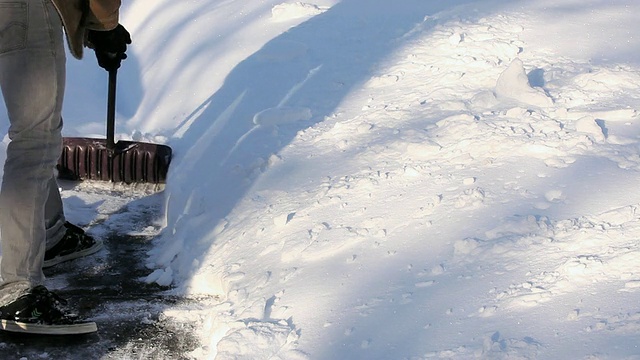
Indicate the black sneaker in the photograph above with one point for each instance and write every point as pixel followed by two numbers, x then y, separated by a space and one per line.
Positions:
pixel 40 311
pixel 75 243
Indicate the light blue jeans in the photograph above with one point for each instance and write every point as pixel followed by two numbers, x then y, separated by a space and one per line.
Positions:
pixel 32 79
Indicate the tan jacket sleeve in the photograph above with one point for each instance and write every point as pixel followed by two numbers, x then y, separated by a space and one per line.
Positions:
pixel 80 15
pixel 102 14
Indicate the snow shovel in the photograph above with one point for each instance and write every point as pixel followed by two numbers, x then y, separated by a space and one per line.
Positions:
pixel 127 162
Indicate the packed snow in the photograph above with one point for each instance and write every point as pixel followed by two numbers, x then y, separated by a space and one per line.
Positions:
pixel 388 179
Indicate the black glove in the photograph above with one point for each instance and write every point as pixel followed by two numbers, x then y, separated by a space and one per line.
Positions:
pixel 110 46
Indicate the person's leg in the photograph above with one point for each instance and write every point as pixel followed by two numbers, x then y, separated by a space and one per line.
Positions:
pixel 65 241
pixel 54 218
pixel 32 79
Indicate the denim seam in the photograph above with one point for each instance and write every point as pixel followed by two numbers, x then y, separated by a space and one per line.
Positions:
pixel 47 14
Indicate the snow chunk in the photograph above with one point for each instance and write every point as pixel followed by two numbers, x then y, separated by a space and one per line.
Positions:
pixel 553 195
pixel 456 39
pixel 513 84
pixel 589 126
pixel 162 277
pixel 285 12
pixel 283 219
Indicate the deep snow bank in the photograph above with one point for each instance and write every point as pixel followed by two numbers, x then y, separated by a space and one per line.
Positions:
pixel 426 188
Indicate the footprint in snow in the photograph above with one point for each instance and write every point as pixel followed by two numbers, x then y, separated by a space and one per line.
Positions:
pixel 495 346
pixel 367 308
pixel 470 198
pixel 487 311
pixel 407 298
pixel 365 344
pixel 623 324
pixel 287 274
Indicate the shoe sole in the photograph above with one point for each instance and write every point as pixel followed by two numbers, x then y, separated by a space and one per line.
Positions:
pixel 88 251
pixel 42 329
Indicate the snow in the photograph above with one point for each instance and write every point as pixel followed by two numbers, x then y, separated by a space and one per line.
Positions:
pixel 388 180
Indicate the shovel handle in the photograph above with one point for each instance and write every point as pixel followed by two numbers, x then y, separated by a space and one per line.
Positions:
pixel 111 109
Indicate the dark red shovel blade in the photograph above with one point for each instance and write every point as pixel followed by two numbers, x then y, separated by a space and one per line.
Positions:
pixel 129 162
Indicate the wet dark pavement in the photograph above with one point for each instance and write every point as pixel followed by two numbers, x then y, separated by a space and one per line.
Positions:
pixel 107 288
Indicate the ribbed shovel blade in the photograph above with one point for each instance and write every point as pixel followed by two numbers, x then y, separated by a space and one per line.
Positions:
pixel 129 162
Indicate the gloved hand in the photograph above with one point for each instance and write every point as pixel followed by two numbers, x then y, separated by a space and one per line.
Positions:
pixel 110 46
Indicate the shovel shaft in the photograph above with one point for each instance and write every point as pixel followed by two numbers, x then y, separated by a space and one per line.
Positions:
pixel 111 109
pixel 102 159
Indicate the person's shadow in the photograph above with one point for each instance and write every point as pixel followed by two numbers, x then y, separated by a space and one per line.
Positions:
pixel 295 81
